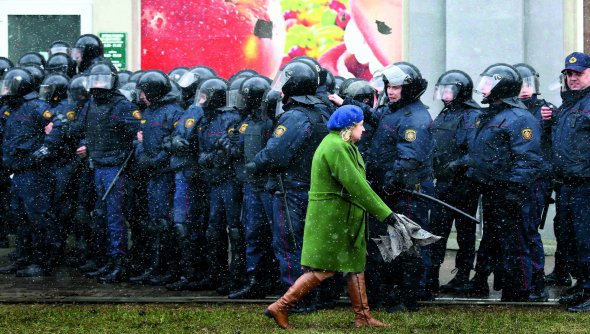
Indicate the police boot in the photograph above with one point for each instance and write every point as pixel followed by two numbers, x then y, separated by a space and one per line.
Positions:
pixel 254 288
pixel 575 298
pixel 168 257
pixel 431 287
pixel 478 286
pixel 107 267
pixel 151 252
pixel 583 307
pixel 187 268
pixel 279 310
pixel 358 298
pixel 458 284
pixel 36 269
pixel 91 264
pixel 20 257
pixel 116 274
pixel 32 270
pixel 238 262
pixel 558 279
pixel 539 292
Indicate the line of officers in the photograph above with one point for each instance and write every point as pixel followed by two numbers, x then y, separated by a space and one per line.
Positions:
pixel 195 182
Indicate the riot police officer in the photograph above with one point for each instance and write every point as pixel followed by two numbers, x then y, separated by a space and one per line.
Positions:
pixel 288 154
pixel 23 138
pixel 400 162
pixel 87 51
pixel 109 124
pixel 157 123
pixel 225 195
pixel 254 132
pixel 61 63
pixel 540 195
pixel 32 58
pixel 5 65
pixel 190 81
pixel 505 160
pixel 571 161
pixel 452 130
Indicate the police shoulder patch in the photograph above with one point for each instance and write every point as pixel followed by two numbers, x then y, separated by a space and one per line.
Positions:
pixel 279 131
pixel 243 128
pixel 71 115
pixel 7 113
pixel 143 121
pixel 189 123
pixel 47 114
pixel 527 134
pixel 175 124
pixel 410 135
pixel 136 114
pixel 230 130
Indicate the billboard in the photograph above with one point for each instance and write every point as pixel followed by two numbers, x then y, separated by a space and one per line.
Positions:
pixel 348 37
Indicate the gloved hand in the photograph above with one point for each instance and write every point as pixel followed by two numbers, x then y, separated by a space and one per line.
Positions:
pixel 390 220
pixel 41 153
pixel 177 143
pixel 167 144
pixel 250 168
pixel 224 142
pixel 206 159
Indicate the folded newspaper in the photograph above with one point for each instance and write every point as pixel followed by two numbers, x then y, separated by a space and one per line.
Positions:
pixel 406 236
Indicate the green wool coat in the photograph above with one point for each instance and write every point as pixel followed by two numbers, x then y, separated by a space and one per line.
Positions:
pixel 336 231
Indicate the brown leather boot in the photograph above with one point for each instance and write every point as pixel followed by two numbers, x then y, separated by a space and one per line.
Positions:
pixel 279 310
pixel 357 293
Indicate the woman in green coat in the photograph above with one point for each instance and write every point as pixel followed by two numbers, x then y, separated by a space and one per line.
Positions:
pixel 336 227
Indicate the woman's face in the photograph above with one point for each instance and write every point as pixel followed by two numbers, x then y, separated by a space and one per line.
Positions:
pixel 357 132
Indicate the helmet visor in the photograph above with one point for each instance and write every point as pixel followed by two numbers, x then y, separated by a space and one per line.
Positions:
pixel 76 54
pixel 201 98
pixel 100 81
pixel 234 99
pixel 395 76
pixel 10 86
pixel 445 93
pixel 46 92
pixel 486 84
pixel 377 82
pixel 59 49
pixel 529 85
pixel 130 95
pixel 187 79
pixel 280 80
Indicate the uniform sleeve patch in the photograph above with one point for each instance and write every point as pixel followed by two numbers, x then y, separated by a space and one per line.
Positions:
pixel 527 134
pixel 410 135
pixel 279 131
pixel 47 114
pixel 71 115
pixel 243 128
pixel 230 130
pixel 6 113
pixel 143 121
pixel 175 124
pixel 136 114
pixel 189 123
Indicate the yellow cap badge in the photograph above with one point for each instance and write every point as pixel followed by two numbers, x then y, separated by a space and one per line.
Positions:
pixel 573 60
pixel 71 115
pixel 136 114
pixel 47 114
pixel 243 128
pixel 279 131
pixel 527 134
pixel 410 135
pixel 189 123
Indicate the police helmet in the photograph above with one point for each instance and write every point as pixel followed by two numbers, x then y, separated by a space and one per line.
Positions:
pixel 61 63
pixel 338 80
pixel 5 65
pixel 154 84
pixel 233 97
pixel 78 89
pixel 54 87
pixel 102 75
pixel 211 93
pixel 296 79
pixel 361 90
pixel 454 85
pixel 135 76
pixel 530 77
pixel 32 58
pixel 124 76
pixel 247 72
pixel 37 73
pixel 269 103
pixel 130 92
pixel 251 92
pixel 87 48
pixel 499 81
pixel 16 82
pixel 190 81
pixel 176 73
pixel 59 47
pixel 411 80
pixel 330 83
pixel 322 72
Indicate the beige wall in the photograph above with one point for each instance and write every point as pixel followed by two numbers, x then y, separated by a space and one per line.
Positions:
pixel 120 16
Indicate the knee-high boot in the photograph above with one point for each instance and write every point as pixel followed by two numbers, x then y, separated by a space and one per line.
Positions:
pixel 358 298
pixel 279 310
